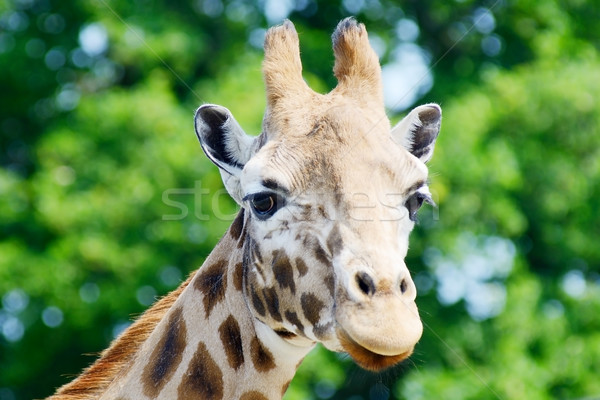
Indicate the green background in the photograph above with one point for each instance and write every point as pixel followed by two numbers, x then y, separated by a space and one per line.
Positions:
pixel 106 200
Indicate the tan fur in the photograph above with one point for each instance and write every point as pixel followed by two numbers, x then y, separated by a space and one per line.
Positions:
pixel 357 66
pixel 95 379
pixel 283 69
pixel 292 106
pixel 319 265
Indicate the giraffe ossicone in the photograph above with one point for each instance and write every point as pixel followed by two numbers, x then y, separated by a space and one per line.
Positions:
pixel 329 193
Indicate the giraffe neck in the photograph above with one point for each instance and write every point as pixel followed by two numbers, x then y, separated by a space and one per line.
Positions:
pixel 207 343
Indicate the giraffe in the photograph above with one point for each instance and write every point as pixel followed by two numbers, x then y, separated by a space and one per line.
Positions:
pixel 329 193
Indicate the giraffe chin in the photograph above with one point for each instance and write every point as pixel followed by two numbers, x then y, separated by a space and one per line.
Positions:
pixel 367 359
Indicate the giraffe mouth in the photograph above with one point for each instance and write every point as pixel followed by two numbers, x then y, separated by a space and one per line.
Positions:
pixel 366 358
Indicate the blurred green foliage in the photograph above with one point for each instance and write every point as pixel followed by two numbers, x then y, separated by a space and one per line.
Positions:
pixel 106 200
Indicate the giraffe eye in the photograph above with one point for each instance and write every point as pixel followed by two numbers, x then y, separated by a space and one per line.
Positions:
pixel 414 203
pixel 265 204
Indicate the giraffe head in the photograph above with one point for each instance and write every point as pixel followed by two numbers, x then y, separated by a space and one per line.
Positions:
pixel 329 193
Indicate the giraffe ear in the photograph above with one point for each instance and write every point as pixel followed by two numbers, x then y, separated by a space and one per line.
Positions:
pixel 225 143
pixel 418 131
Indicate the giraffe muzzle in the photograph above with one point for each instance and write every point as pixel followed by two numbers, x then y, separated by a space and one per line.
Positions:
pixel 366 358
pixel 380 331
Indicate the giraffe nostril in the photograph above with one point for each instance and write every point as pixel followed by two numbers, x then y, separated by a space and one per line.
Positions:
pixel 403 286
pixel 365 283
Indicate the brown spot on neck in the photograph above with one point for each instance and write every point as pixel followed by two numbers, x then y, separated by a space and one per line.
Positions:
pixel 237 227
pixel 301 266
pixel 261 357
pixel 311 306
pixel 231 337
pixel 258 304
pixel 238 276
pixel 253 395
pixel 212 282
pixel 292 317
pixel 166 356
pixel 203 378
pixel 272 301
pixel 282 269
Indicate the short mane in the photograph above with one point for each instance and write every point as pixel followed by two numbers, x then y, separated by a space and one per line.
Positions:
pixel 97 377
